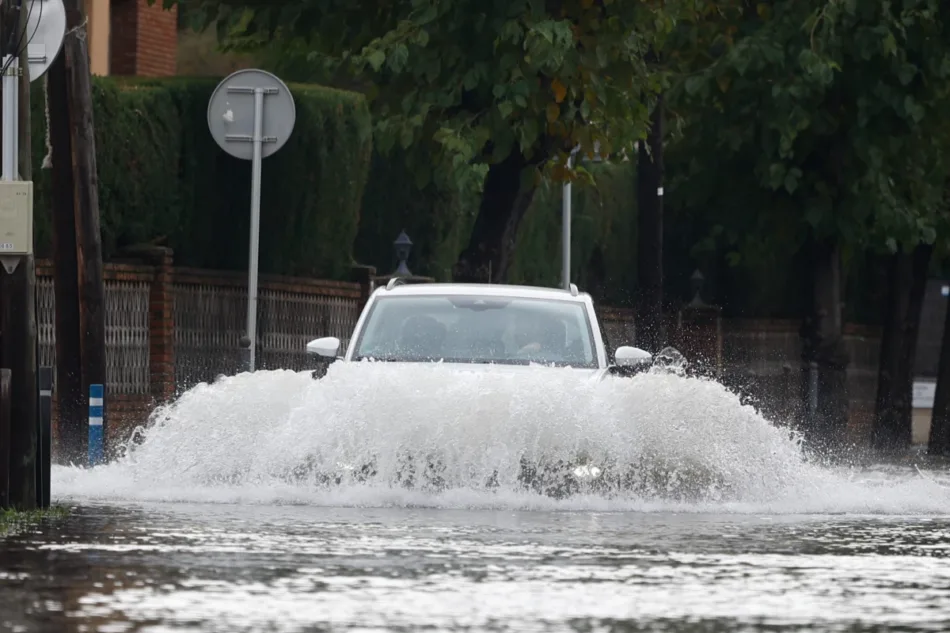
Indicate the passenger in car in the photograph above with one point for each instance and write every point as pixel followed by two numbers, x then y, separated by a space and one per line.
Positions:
pixel 422 337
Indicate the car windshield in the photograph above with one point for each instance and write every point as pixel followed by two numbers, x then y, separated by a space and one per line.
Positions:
pixel 477 329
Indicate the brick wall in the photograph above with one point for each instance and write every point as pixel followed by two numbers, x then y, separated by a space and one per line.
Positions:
pixel 144 39
pixel 761 359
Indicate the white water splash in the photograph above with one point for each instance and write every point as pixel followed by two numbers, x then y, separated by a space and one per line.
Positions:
pixel 259 438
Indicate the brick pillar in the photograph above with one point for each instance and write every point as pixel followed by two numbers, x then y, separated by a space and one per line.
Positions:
pixel 699 338
pixel 161 325
pixel 364 276
pixel 698 332
pixel 144 39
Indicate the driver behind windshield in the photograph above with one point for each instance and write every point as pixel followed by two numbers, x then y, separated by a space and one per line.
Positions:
pixel 539 336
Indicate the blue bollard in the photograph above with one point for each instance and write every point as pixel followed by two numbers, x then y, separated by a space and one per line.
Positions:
pixel 43 453
pixel 96 402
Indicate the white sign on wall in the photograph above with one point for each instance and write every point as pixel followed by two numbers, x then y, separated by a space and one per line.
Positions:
pixel 924 391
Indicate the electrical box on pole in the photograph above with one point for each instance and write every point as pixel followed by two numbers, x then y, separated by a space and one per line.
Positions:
pixel 16 222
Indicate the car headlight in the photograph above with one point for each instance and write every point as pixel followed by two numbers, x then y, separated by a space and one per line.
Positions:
pixel 587 471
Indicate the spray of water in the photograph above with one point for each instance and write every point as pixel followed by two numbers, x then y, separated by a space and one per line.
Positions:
pixel 439 436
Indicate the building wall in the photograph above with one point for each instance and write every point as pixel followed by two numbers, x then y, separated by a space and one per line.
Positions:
pixel 98 14
pixel 144 39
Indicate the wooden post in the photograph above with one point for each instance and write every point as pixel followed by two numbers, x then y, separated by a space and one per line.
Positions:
pixel 71 418
pixel 92 320
pixel 4 439
pixel 19 346
pixel 80 293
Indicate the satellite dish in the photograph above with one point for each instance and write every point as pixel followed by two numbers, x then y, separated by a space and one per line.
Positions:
pixel 231 113
pixel 45 31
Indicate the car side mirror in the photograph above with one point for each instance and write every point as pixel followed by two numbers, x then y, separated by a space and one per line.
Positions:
pixel 627 356
pixel 328 346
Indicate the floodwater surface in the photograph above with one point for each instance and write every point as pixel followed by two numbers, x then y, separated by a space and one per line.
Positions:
pixel 219 520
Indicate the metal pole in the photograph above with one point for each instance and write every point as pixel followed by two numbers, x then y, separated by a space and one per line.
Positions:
pixel 15 110
pixel 10 99
pixel 566 228
pixel 255 224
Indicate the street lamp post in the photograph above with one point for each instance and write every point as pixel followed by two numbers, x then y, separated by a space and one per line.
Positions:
pixel 566 226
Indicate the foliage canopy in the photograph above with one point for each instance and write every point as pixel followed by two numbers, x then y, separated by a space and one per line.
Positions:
pixel 471 80
pixel 824 119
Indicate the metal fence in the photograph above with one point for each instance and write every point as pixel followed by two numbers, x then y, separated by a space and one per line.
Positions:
pixel 210 320
pixel 127 333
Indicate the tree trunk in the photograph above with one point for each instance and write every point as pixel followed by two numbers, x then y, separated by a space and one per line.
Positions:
pixel 939 441
pixel 907 282
pixel 505 200
pixel 650 331
pixel 920 270
pixel 887 431
pixel 823 344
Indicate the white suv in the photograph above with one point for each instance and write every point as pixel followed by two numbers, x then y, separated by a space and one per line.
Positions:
pixel 481 326
pixel 502 328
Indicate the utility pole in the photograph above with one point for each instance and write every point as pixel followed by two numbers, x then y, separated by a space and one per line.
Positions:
pixel 18 351
pixel 79 288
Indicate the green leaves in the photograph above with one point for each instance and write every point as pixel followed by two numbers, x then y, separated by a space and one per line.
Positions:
pixel 833 114
pixel 376 59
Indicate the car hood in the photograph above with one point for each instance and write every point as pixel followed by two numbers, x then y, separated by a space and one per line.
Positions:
pixel 511 370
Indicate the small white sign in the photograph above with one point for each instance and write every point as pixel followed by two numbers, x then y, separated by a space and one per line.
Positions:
pixel 945 291
pixel 6 246
pixel 924 392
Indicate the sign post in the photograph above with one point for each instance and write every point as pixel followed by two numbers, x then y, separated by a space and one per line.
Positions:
pixel 251 114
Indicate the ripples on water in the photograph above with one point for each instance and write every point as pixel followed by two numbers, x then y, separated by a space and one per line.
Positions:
pixel 209 525
pixel 299 568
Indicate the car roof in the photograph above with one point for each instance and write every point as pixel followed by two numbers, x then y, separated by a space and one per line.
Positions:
pixel 497 290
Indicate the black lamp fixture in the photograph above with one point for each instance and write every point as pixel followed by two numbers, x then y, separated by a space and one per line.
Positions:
pixel 402 247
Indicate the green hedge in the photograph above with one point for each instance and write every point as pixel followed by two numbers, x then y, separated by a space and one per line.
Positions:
pixel 162 175
pixel 438 221
pixel 329 199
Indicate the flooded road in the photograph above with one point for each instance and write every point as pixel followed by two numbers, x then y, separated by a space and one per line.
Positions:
pixel 219 518
pixel 228 568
